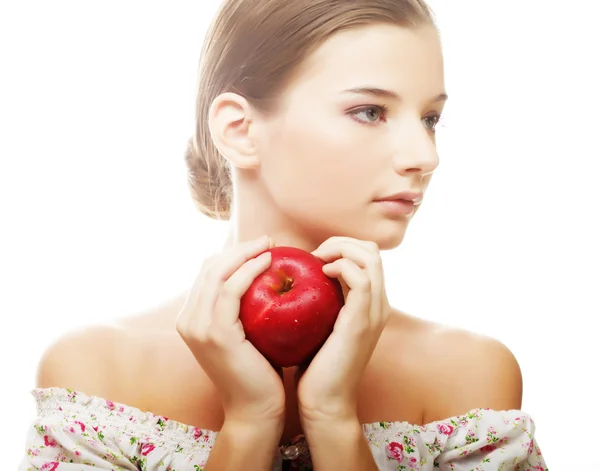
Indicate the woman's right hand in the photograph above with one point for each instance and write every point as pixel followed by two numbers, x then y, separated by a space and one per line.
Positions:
pixel 250 388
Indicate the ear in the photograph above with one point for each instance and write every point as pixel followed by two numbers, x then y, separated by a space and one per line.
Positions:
pixel 230 123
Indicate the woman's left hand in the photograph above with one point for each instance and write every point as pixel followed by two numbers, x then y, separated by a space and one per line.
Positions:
pixel 328 388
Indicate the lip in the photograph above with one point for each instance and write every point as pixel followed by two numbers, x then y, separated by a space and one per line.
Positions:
pixel 414 197
pixel 396 208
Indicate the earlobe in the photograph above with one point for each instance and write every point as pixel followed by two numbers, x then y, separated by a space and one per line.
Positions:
pixel 230 122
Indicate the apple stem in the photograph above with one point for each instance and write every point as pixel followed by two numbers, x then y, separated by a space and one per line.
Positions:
pixel 287 284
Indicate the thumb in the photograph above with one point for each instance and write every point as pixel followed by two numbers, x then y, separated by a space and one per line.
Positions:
pixel 278 370
pixel 300 369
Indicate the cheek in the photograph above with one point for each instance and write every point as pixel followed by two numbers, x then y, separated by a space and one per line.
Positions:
pixel 321 158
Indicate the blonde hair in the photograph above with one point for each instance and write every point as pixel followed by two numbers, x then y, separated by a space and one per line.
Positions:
pixel 253 48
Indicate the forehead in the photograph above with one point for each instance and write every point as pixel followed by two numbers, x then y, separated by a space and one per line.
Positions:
pixel 404 59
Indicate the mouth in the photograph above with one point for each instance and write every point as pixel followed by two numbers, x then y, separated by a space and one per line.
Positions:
pixel 397 207
pixel 415 196
pixel 402 203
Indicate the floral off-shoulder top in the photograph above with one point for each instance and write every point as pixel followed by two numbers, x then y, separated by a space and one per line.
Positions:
pixel 76 432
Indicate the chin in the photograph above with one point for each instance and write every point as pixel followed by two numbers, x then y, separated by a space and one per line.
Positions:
pixel 387 236
pixel 389 242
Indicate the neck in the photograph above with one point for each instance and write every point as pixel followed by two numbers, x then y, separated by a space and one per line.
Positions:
pixel 255 214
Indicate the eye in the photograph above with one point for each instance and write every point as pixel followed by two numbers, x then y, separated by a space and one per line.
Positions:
pixel 370 114
pixel 432 121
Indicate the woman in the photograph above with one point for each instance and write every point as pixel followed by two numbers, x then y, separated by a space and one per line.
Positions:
pixel 316 126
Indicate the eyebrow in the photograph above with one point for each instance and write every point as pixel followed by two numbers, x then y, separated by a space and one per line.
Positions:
pixel 380 92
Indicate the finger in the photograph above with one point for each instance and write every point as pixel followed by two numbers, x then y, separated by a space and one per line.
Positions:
pixel 228 262
pixel 360 294
pixel 350 248
pixel 224 265
pixel 374 270
pixel 227 307
pixel 360 255
pixel 337 247
pixel 334 250
pixel 332 241
pixel 215 270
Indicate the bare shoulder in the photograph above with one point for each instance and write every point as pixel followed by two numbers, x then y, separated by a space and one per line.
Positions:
pixel 109 360
pixel 464 370
pixel 82 360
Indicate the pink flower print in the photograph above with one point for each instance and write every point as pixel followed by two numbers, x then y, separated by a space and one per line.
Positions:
pixel 110 405
pixel 529 446
pixel 49 466
pixel 147 448
pixel 538 467
pixel 446 429
pixel 121 409
pixel 81 425
pixel 492 430
pixel 396 451
pixel 197 433
pixel 95 428
pixel 412 442
pixel 488 448
pixel 49 441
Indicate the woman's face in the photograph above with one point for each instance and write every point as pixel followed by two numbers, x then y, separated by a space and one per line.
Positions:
pixel 356 124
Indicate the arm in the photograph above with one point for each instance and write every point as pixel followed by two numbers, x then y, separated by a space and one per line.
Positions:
pixel 457 435
pixel 339 445
pixel 245 446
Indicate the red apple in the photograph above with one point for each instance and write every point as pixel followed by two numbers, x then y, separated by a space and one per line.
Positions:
pixel 290 309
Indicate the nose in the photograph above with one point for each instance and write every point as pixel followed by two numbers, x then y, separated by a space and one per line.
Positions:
pixel 417 153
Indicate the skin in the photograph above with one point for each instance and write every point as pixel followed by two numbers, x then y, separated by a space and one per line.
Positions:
pixel 335 151
pixel 306 175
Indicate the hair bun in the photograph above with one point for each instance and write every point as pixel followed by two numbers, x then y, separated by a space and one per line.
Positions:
pixel 209 181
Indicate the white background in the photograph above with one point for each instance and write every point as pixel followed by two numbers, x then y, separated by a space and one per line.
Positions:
pixel 97 99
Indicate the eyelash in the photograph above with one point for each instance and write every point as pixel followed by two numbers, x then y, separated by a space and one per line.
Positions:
pixel 383 110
